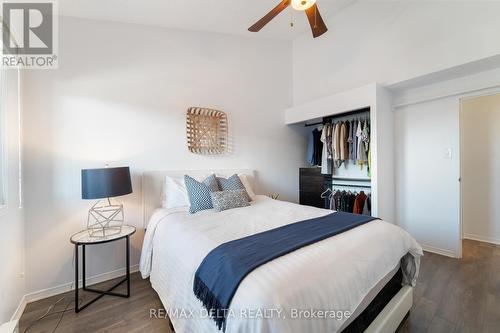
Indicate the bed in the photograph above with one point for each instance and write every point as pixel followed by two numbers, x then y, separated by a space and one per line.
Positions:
pixel 335 280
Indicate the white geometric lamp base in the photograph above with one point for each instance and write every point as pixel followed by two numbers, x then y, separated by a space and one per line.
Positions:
pixel 105 219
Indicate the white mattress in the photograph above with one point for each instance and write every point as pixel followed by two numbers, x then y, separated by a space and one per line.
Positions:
pixel 335 274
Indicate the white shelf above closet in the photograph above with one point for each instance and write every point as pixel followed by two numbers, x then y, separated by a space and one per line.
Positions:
pixel 378 100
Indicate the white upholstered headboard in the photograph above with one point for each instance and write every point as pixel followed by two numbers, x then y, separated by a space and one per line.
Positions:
pixel 152 184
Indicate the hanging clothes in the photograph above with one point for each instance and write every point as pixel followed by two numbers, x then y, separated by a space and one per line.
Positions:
pixel 310 149
pixel 329 141
pixel 346 142
pixel 344 150
pixel 365 136
pixel 355 141
pixel 359 132
pixel 324 151
pixel 367 207
pixel 336 144
pixel 318 147
pixel 350 141
pixel 359 203
pixel 362 157
pixel 350 202
pixel 337 200
pixel 326 157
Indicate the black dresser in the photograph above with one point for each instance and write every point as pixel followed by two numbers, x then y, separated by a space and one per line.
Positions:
pixel 311 184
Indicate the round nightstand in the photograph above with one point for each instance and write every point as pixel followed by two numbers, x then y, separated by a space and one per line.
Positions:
pixel 83 239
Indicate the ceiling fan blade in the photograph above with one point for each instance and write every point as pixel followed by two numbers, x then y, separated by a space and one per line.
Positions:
pixel 269 16
pixel 316 22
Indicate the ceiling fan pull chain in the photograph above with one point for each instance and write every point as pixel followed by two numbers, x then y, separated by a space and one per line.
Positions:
pixel 291 17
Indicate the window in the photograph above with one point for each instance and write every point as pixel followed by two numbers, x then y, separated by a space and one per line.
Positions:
pixel 3 137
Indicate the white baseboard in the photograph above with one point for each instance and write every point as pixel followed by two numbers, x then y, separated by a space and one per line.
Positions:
pixel 10 327
pixel 20 309
pixel 60 289
pixel 480 238
pixel 440 251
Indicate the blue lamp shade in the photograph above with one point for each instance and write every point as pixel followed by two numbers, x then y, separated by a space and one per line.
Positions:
pixel 106 183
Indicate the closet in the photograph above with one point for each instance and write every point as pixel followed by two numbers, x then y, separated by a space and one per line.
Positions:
pixel 338 154
pixel 375 177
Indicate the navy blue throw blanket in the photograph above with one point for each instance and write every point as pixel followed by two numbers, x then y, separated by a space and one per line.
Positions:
pixel 223 269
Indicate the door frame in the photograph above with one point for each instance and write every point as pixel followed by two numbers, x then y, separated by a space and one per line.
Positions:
pixel 464 97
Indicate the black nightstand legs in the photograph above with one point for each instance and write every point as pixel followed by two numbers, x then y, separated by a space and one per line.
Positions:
pixel 101 293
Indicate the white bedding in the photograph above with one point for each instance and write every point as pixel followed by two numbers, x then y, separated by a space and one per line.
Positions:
pixel 333 274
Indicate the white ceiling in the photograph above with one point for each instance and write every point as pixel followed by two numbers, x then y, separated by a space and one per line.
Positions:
pixel 224 16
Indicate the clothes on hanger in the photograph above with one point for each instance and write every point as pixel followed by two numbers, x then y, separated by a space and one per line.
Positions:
pixel 350 141
pixel 314 148
pixel 359 203
pixel 344 145
pixel 354 156
pixel 324 151
pixel 360 155
pixel 338 143
pixel 367 207
pixel 318 146
pixel 350 202
pixel 326 155
pixel 310 149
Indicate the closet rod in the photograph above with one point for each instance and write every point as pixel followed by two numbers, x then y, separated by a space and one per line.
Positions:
pixel 344 114
pixel 351 185
pixel 352 179
pixel 314 124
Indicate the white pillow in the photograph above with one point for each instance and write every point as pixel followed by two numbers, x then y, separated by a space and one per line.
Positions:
pixel 248 187
pixel 174 193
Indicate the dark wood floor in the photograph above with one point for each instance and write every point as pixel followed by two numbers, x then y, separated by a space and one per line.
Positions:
pixel 452 295
pixel 458 295
pixel 109 314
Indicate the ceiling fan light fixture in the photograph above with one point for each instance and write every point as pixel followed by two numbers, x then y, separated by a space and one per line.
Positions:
pixel 302 4
pixel 309 7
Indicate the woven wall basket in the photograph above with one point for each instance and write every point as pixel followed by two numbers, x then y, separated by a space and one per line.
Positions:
pixel 206 131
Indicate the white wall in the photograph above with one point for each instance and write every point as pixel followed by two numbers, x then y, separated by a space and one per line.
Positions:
pixel 427 186
pixel 120 96
pixel 392 41
pixel 480 124
pixel 427 124
pixel 140 80
pixel 11 217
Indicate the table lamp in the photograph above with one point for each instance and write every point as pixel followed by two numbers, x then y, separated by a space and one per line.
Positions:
pixel 105 218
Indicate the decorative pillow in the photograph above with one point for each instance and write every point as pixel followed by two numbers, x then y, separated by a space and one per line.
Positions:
pixel 231 184
pixel 174 193
pixel 224 200
pixel 199 192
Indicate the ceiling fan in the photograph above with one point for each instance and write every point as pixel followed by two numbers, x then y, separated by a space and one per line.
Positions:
pixel 316 22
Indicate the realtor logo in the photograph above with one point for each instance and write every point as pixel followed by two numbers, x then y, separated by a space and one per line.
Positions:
pixel 28 34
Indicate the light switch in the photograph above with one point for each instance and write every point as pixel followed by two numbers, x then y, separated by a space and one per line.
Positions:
pixel 448 153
